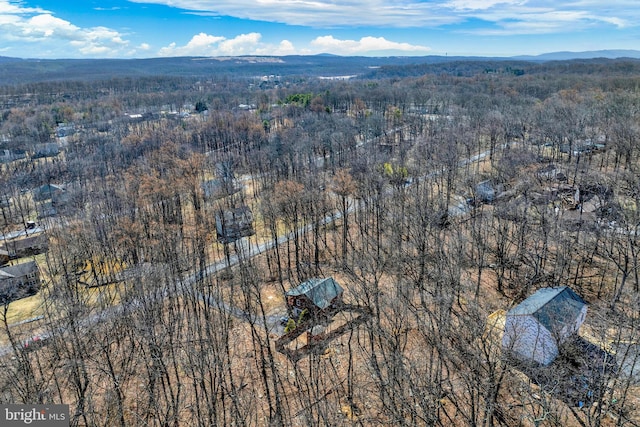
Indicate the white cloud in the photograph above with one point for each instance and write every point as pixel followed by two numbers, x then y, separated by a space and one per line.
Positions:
pixel 55 36
pixel 418 13
pixel 513 17
pixel 244 44
pixel 207 45
pixel 47 25
pixel 251 44
pixel 16 8
pixel 545 21
pixel 199 45
pixel 323 14
pixel 36 31
pixel 483 4
pixel 364 45
pixel 285 48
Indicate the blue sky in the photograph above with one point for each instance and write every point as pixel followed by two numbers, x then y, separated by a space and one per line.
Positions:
pixel 156 28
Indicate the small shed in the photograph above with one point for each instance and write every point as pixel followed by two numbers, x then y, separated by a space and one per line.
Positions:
pixel 487 191
pixel 535 328
pixel 51 192
pixel 234 224
pixel 214 189
pixel 551 172
pixel 315 295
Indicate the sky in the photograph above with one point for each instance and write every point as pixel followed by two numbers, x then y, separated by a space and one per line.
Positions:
pixel 51 29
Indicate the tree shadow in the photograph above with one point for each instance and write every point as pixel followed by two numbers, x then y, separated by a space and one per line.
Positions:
pixel 578 376
pixel 317 342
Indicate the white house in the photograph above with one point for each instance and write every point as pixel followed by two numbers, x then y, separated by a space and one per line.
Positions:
pixel 535 328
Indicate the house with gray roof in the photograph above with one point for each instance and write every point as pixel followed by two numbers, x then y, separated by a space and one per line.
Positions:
pixel 19 281
pixel 214 189
pixel 7 156
pixel 30 245
pixel 535 328
pixel 316 295
pixel 47 149
pixel 53 192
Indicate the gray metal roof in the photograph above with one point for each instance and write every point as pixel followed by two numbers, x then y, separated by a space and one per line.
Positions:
pixel 19 270
pixel 320 291
pixel 552 307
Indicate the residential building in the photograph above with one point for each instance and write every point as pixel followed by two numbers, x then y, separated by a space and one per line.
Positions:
pixel 315 295
pixel 535 328
pixel 19 281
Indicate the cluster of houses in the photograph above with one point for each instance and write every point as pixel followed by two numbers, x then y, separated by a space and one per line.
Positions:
pixel 534 330
pixel 20 278
pixel 48 149
pixel 587 206
pixel 39 150
pixel 535 333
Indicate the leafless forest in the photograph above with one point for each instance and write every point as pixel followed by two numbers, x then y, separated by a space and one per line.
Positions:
pixel 434 197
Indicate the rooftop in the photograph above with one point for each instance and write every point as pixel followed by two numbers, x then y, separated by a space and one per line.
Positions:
pixel 18 270
pixel 320 291
pixel 551 306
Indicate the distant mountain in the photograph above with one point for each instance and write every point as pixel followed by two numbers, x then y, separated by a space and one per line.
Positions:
pixel 9 59
pixel 38 70
pixel 20 71
pixel 563 56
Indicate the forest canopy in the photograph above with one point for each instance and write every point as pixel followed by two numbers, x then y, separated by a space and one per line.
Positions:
pixel 180 204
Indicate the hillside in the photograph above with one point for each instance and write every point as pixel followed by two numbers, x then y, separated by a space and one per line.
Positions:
pixel 19 71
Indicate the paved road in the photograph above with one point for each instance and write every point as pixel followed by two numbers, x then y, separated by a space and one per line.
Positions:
pixel 21 233
pixel 247 251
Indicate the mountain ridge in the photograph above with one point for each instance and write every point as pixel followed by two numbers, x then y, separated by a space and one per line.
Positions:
pixel 19 71
pixel 589 54
pixel 558 55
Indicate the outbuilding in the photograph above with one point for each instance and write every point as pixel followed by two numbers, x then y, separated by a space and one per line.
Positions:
pixel 535 328
pixel 316 295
